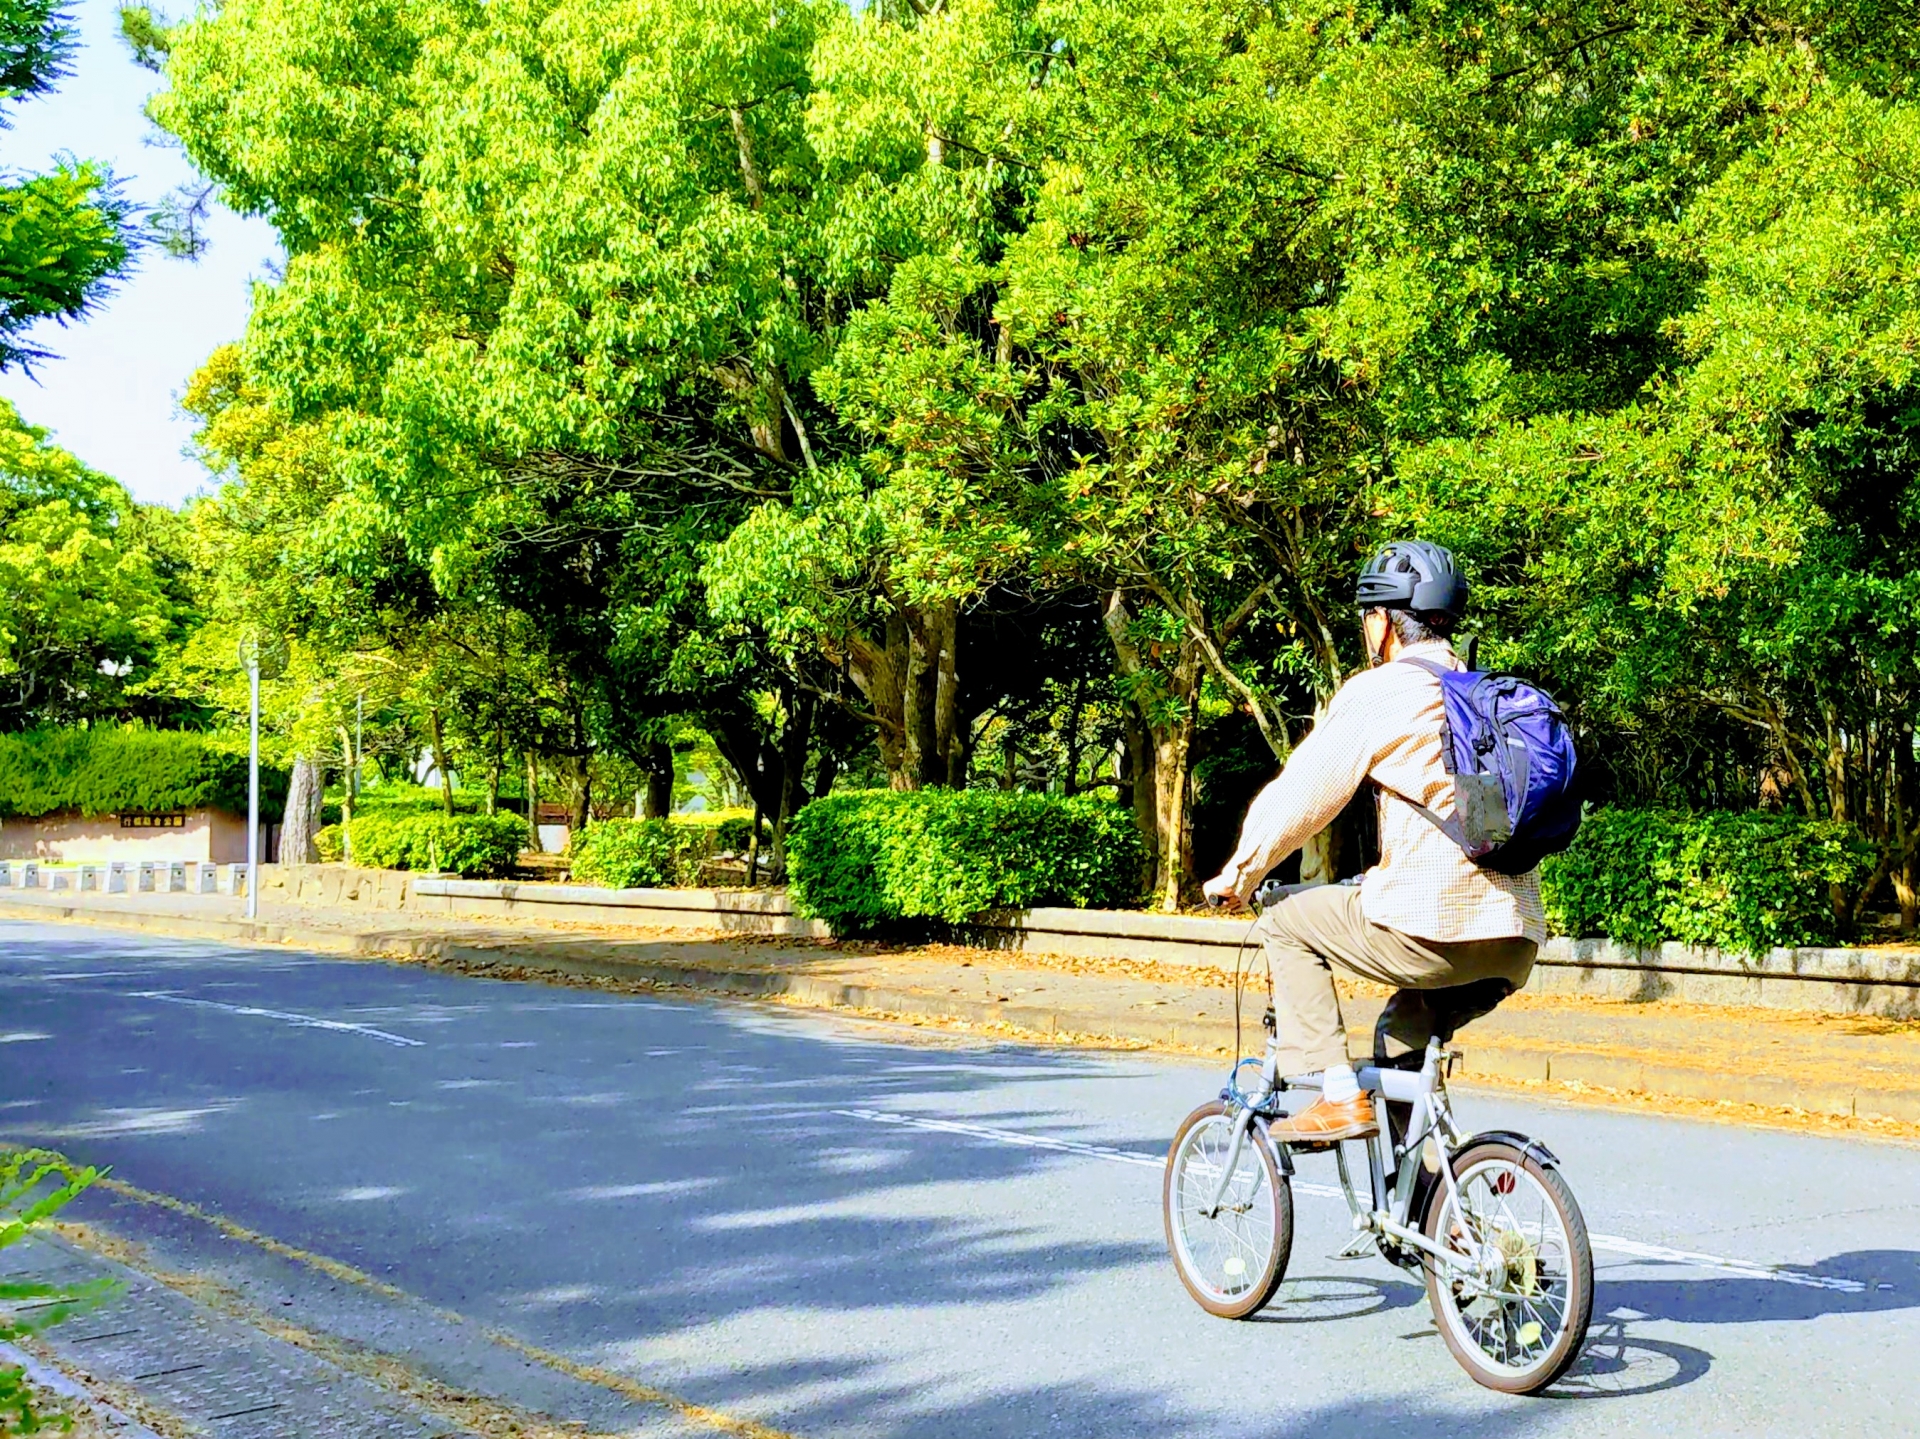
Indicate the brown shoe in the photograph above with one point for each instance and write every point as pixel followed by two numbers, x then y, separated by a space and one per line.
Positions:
pixel 1322 1122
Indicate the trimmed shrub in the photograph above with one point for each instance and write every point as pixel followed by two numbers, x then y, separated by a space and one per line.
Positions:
pixel 656 853
pixel 866 858
pixel 397 798
pixel 629 853
pixel 1743 882
pixel 473 846
pixel 128 769
pixel 641 853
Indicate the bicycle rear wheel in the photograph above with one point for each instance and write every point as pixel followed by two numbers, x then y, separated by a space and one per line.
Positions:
pixel 1516 1315
pixel 1233 1261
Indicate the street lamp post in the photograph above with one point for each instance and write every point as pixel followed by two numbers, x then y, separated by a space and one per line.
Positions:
pixel 259 658
pixel 251 655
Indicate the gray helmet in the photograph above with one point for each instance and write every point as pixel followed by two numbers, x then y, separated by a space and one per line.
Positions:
pixel 1413 575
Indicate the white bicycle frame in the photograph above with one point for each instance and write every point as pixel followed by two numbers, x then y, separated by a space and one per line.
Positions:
pixel 1431 1128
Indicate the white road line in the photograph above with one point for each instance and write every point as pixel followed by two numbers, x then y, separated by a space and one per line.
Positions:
pixel 303 1021
pixel 1608 1243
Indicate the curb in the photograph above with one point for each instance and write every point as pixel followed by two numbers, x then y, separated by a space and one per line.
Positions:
pixel 1485 1060
pixel 57 1381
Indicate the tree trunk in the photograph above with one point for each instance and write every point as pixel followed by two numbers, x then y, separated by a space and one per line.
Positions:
pixel 753 847
pixel 911 681
pixel 1145 803
pixel 301 821
pixel 493 771
pixel 657 802
pixel 920 702
pixel 1172 752
pixel 1320 856
pixel 440 758
pixel 794 739
pixel 881 674
pixel 582 798
pixel 533 803
pixel 1072 785
pixel 950 759
pixel 350 791
pixel 826 770
pixel 1167 693
pixel 1904 803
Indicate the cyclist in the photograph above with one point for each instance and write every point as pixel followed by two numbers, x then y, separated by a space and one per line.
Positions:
pixel 1452 938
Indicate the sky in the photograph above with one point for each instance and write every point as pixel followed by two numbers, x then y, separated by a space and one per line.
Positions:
pixel 111 395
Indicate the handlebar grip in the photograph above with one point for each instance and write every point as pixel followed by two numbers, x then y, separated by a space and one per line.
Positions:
pixel 1272 892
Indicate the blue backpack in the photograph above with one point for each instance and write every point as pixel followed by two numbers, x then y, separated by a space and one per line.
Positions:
pixel 1506 745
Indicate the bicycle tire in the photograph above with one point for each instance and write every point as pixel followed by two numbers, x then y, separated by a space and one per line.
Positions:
pixel 1229 1294
pixel 1489 1160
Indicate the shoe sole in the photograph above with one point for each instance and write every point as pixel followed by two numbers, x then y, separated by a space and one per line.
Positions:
pixel 1325 1136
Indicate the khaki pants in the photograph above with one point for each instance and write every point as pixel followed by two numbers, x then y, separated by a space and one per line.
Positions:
pixel 1441 986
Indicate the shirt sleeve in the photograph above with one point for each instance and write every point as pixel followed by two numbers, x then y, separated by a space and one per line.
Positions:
pixel 1326 769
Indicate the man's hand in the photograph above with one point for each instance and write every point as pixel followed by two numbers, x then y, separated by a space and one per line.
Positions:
pixel 1223 893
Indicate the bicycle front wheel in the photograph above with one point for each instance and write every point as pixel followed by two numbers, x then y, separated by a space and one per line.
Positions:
pixel 1230 1258
pixel 1514 1308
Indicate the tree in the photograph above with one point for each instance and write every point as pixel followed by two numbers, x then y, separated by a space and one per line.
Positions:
pixel 67 233
pixel 85 602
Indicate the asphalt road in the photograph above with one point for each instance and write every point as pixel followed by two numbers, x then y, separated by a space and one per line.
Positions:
pixel 837 1229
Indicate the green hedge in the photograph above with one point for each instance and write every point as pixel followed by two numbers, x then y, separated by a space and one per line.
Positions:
pixel 127 769
pixel 1745 882
pixel 657 853
pixel 396 799
pixel 866 858
pixel 473 846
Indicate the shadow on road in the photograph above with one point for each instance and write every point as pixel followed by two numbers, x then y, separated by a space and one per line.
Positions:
pixel 661 1184
pixel 1313 1299
pixel 1887 1278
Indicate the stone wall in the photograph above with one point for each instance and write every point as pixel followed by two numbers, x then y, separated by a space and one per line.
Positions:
pixel 203 836
pixel 1882 981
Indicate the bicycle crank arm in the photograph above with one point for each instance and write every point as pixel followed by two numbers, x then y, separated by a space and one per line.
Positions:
pixel 1382 1223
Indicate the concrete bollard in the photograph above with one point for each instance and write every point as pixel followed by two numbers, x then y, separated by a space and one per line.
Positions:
pixel 61 879
pixel 30 875
pixel 145 880
pixel 176 877
pixel 206 878
pixel 89 878
pixel 236 880
pixel 117 877
pixel 6 874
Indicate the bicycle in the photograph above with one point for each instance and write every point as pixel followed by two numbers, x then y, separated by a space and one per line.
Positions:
pixel 1487 1217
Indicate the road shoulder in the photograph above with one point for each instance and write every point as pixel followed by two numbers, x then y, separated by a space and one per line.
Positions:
pixel 1853 1074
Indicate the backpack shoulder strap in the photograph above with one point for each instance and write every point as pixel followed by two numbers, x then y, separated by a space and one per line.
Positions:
pixel 1432 667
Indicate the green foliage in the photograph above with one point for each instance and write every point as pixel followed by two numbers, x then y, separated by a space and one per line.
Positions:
pixel 86 599
pixel 652 853
pixel 473 846
pixel 1744 882
pixel 35 1185
pixel 631 363
pixel 864 858
pixel 65 234
pixel 394 800
pixel 636 853
pixel 111 770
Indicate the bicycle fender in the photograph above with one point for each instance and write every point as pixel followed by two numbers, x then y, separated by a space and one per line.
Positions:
pixel 1427 1185
pixel 1527 1145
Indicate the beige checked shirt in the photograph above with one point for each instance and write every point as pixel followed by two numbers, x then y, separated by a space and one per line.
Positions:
pixel 1384 724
